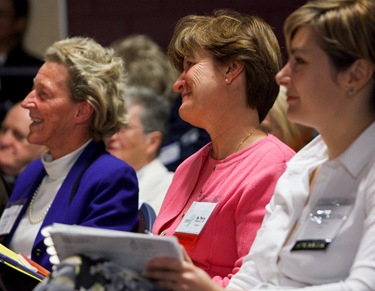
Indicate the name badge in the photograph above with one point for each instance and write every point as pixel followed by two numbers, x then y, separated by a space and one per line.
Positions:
pixel 9 216
pixel 323 223
pixel 193 222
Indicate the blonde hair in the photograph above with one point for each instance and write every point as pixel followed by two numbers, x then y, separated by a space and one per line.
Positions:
pixel 146 65
pixel 294 135
pixel 96 76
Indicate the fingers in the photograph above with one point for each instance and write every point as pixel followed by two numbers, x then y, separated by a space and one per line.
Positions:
pixel 168 285
pixel 161 268
pixel 165 272
pixel 173 274
pixel 185 254
pixel 164 263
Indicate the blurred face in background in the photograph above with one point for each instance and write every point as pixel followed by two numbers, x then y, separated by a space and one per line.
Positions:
pixel 130 144
pixel 15 151
pixel 11 27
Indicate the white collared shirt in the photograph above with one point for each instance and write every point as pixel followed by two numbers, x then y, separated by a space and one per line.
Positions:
pixel 154 180
pixel 349 261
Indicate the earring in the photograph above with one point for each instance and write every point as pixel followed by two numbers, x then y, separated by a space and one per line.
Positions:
pixel 350 92
pixel 226 80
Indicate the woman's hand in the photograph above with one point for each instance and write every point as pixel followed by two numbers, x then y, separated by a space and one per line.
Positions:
pixel 173 274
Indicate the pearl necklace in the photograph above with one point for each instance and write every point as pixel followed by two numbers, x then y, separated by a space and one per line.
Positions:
pixel 30 209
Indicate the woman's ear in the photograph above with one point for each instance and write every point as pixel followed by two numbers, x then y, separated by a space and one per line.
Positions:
pixel 84 112
pixel 357 76
pixel 234 69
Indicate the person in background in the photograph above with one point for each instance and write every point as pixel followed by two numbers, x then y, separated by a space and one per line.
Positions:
pixel 318 233
pixel 138 143
pixel 148 66
pixel 227 63
pixel 276 122
pixel 15 151
pixel 77 100
pixel 5 191
pixel 17 66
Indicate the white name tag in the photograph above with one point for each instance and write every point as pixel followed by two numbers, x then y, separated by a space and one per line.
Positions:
pixel 193 222
pixel 9 217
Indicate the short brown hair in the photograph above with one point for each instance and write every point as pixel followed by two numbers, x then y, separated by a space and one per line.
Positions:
pixel 229 35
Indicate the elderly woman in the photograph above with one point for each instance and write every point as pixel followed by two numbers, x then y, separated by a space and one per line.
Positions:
pixel 216 202
pixel 318 233
pixel 76 101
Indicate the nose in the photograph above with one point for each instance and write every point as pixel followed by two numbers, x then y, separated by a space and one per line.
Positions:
pixel 28 102
pixel 179 85
pixel 283 76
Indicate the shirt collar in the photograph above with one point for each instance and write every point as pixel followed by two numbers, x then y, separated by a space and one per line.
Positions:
pixel 60 167
pixel 356 157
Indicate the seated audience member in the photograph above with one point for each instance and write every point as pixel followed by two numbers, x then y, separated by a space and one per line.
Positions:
pixel 17 66
pixel 76 101
pixel 138 143
pixel 276 122
pixel 15 151
pixel 228 182
pixel 148 66
pixel 227 63
pixel 318 233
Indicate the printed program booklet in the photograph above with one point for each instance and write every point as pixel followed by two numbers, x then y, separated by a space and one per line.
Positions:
pixel 127 249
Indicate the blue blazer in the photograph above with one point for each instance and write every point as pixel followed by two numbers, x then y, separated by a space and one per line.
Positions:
pixel 99 191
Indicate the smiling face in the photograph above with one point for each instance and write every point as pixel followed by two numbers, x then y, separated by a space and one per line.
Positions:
pixel 314 95
pixel 50 107
pixel 200 85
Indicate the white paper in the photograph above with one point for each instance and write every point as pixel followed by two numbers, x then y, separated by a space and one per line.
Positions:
pixel 127 249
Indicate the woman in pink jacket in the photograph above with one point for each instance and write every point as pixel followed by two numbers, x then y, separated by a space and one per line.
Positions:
pixel 216 202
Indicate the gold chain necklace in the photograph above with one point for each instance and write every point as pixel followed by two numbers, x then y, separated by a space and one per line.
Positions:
pixel 30 210
pixel 248 135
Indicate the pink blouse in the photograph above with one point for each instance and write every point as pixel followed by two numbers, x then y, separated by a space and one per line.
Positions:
pixel 241 185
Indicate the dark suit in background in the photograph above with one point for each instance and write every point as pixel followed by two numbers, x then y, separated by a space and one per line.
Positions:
pixel 16 77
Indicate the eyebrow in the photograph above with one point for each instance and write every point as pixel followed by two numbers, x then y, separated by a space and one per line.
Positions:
pixel 297 50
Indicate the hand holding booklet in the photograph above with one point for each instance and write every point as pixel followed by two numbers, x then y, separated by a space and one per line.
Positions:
pixel 127 249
